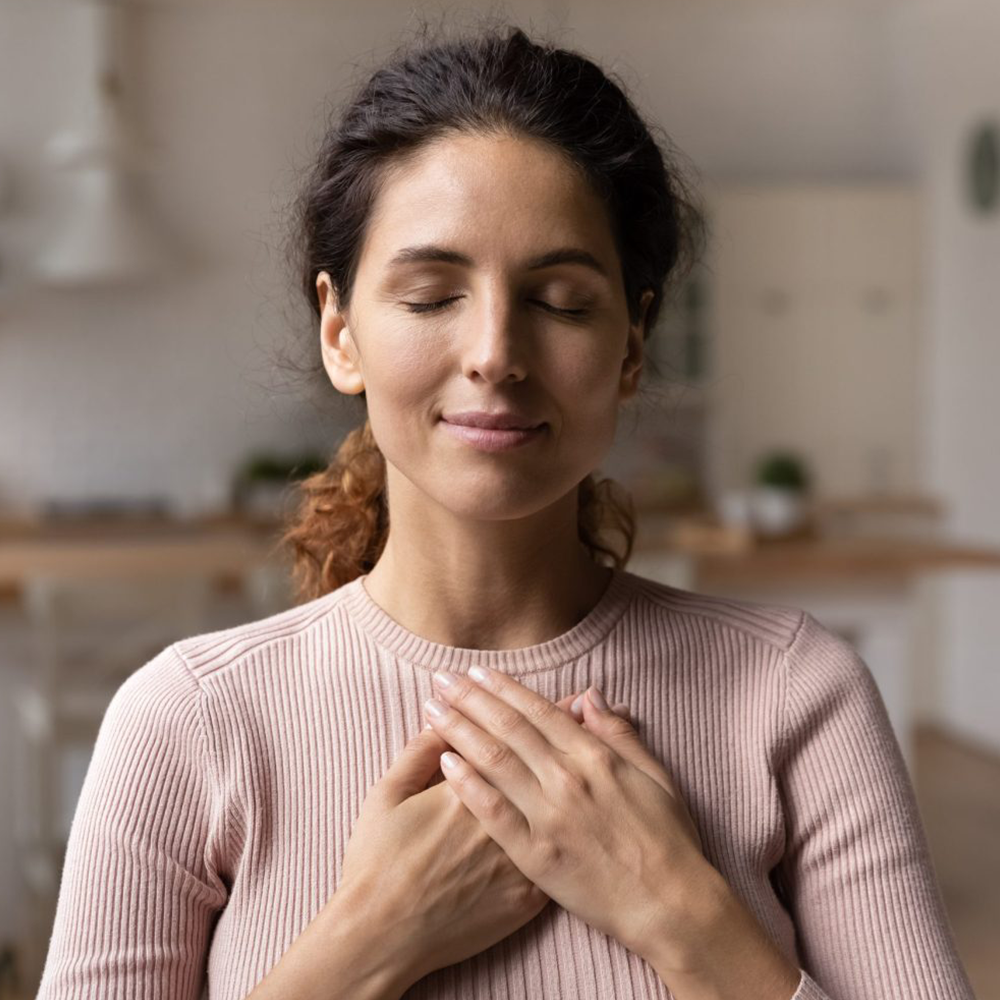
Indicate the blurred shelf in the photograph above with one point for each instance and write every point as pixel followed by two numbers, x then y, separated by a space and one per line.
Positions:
pixel 842 538
pixel 227 547
pixel 138 525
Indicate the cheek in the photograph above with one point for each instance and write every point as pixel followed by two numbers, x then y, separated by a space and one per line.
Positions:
pixel 403 377
pixel 588 387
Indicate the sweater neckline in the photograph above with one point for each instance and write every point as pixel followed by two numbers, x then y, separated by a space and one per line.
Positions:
pixel 420 651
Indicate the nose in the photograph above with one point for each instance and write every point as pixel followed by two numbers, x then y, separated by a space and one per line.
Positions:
pixel 493 344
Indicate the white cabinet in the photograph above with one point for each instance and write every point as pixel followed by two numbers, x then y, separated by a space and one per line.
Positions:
pixel 813 328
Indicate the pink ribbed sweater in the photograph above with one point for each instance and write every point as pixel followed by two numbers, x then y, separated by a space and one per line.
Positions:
pixel 229 769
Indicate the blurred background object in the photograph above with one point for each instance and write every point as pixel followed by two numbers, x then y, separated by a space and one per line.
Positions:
pixel 105 237
pixel 813 427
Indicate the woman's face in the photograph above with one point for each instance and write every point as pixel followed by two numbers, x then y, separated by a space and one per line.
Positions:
pixel 454 309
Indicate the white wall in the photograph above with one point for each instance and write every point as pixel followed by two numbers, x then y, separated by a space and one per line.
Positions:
pixel 946 75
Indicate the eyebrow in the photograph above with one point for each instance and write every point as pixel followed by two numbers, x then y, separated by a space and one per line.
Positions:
pixel 438 254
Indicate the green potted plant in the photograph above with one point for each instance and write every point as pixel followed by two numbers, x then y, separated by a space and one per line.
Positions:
pixel 781 486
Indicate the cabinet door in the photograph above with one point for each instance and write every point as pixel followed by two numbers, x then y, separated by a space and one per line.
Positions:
pixel 813 327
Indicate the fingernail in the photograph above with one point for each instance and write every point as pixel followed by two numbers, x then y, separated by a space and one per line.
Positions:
pixel 434 706
pixel 444 679
pixel 597 698
pixel 477 674
pixel 577 705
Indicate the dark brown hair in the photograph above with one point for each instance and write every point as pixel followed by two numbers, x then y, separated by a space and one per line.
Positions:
pixel 494 80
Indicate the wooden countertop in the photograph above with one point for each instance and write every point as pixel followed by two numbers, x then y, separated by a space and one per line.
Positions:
pixel 889 538
pixel 838 559
pixel 224 547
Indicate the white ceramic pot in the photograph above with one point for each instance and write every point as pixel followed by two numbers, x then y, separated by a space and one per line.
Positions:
pixel 777 511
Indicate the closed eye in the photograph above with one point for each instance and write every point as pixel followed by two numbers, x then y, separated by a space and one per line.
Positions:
pixel 423 307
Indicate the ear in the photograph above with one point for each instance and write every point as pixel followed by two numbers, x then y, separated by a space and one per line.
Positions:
pixel 632 365
pixel 340 353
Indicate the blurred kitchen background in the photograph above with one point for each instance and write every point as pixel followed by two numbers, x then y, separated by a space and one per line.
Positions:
pixel 818 424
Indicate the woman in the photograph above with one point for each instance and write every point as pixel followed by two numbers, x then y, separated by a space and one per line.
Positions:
pixel 487 239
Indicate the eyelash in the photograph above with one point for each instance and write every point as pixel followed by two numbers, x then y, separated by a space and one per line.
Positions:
pixel 424 307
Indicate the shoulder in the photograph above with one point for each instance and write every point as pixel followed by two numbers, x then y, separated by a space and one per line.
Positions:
pixel 208 653
pixel 825 674
pixel 773 625
pixel 153 726
pixel 819 666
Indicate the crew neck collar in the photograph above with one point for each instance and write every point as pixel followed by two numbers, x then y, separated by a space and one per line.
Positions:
pixel 563 648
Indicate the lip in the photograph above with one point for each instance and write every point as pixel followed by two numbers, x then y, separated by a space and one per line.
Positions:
pixel 493 438
pixel 499 420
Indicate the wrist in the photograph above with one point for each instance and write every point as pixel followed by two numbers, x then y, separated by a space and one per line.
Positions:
pixel 718 949
pixel 380 965
pixel 674 940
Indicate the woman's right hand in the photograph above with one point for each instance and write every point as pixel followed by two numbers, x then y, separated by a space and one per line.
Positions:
pixel 430 874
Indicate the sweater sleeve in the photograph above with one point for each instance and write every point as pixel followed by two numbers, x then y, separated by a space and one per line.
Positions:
pixel 140 889
pixel 856 873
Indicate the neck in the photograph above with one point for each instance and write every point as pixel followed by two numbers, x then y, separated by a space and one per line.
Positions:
pixel 486 584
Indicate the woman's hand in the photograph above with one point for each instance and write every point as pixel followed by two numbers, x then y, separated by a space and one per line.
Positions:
pixel 436 887
pixel 588 815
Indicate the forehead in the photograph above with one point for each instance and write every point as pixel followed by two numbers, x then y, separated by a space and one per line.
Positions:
pixel 500 199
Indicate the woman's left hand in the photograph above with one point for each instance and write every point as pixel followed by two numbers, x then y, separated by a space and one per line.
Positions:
pixel 587 814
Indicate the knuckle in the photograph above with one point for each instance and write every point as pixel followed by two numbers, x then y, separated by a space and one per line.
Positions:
pixel 505 721
pixel 540 713
pixel 464 779
pixel 569 783
pixel 493 806
pixel 602 758
pixel 619 725
pixel 460 692
pixel 495 756
pixel 548 855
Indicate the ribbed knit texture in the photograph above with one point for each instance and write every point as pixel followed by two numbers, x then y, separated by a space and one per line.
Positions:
pixel 230 768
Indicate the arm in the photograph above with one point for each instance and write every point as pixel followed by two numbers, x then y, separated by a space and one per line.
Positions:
pixel 140 892
pixel 344 954
pixel 728 955
pixel 856 874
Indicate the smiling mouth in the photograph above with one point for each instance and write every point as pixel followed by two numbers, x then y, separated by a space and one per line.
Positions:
pixel 493 438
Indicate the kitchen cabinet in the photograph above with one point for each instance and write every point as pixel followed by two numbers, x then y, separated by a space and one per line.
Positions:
pixel 813 325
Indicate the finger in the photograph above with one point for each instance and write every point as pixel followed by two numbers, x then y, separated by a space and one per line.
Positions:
pixel 571 704
pixel 622 737
pixel 566 704
pixel 493 758
pixel 576 708
pixel 556 727
pixel 500 723
pixel 498 816
pixel 413 768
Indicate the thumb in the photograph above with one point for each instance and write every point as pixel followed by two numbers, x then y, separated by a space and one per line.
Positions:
pixel 411 771
pixel 619 734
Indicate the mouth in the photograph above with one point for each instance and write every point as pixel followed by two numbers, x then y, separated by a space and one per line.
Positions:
pixel 506 421
pixel 493 439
